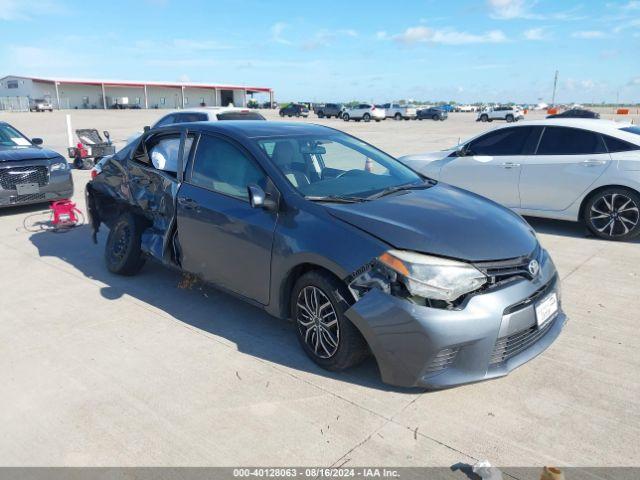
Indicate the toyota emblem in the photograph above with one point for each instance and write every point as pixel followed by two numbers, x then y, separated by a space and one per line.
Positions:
pixel 534 268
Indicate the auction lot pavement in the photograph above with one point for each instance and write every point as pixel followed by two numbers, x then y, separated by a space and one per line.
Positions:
pixel 97 369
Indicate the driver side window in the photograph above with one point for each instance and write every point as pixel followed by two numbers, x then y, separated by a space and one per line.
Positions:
pixel 506 141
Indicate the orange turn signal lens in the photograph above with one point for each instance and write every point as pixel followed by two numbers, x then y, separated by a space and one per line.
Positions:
pixel 394 263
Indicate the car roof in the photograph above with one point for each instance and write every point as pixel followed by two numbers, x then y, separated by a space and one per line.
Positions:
pixel 260 128
pixel 608 127
pixel 209 110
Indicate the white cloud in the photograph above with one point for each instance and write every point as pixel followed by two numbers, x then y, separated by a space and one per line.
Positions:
pixel 277 29
pixel 588 34
pixel 20 10
pixel 421 34
pixel 536 34
pixel 634 81
pixel 509 9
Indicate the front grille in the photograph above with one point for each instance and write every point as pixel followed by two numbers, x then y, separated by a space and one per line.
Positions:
pixel 11 176
pixel 26 198
pixel 501 270
pixel 443 359
pixel 507 347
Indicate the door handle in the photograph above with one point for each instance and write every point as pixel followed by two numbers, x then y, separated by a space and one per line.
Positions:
pixel 186 201
pixel 509 165
pixel 593 163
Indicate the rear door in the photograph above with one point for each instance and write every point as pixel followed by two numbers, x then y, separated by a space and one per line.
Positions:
pixel 223 239
pixel 566 163
pixel 492 166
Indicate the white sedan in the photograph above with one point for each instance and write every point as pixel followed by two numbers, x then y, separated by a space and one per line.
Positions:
pixel 568 169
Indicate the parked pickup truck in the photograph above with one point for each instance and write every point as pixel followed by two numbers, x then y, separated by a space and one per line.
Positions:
pixel 398 112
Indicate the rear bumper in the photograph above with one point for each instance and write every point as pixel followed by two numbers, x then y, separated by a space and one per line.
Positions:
pixel 60 186
pixel 418 346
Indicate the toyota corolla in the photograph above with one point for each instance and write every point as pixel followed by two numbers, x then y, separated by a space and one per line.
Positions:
pixel 366 256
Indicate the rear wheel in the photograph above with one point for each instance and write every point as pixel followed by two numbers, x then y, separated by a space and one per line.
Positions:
pixel 398 116
pixel 122 253
pixel 613 214
pixel 326 335
pixel 435 117
pixel 484 118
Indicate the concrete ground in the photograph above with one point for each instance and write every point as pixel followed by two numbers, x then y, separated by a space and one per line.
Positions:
pixel 100 370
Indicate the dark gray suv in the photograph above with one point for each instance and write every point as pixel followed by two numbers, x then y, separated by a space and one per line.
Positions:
pixel 442 286
pixel 329 110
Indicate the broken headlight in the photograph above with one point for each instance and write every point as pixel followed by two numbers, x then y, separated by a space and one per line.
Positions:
pixel 431 277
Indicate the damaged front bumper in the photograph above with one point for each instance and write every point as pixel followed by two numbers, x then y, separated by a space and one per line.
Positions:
pixel 495 332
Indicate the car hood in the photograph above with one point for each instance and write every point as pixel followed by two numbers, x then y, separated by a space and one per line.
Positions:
pixel 420 158
pixel 442 220
pixel 16 154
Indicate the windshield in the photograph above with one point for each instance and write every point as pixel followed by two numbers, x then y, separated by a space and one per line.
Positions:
pixel 10 137
pixel 336 165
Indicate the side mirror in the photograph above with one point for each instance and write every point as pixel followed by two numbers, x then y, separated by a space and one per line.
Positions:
pixel 106 134
pixel 37 141
pixel 258 198
pixel 146 128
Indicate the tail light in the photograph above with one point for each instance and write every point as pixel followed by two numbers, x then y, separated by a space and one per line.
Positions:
pixel 94 173
pixel 373 108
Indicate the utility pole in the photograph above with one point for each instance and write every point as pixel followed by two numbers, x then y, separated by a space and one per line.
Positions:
pixel 555 86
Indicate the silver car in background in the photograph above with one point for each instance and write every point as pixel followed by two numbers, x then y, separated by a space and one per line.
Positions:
pixel 365 112
pixel 568 169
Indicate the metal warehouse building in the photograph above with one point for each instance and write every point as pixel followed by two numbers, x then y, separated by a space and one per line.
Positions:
pixel 65 93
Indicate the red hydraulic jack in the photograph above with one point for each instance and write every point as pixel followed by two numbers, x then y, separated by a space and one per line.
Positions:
pixel 65 214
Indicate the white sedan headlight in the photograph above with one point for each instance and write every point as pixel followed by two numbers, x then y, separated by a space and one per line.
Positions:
pixel 433 277
pixel 59 166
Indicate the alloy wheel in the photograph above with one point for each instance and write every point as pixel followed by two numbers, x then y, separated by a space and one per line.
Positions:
pixel 317 321
pixel 614 214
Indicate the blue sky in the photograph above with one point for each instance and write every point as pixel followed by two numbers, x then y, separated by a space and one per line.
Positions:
pixel 323 50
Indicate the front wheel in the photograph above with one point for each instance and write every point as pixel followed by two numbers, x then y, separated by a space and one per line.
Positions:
pixel 509 118
pixel 321 115
pixel 613 214
pixel 326 335
pixel 122 252
pixel 366 117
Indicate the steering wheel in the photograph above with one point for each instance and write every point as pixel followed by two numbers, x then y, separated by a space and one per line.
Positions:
pixel 352 172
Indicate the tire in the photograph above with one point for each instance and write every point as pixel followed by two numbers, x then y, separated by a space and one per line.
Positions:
pixel 345 117
pixel 436 117
pixel 366 117
pixel 321 115
pixel 122 252
pixel 78 163
pixel 613 214
pixel 509 118
pixel 282 114
pixel 484 118
pixel 319 289
pixel 397 116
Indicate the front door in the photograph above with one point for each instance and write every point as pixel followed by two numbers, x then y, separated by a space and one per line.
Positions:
pixel 567 162
pixel 490 165
pixel 153 183
pixel 223 239
pixel 226 97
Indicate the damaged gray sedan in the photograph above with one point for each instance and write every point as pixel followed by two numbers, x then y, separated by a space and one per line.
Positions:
pixel 366 256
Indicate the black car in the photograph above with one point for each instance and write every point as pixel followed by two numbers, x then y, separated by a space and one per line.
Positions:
pixel 329 110
pixel 30 173
pixel 575 113
pixel 361 252
pixel 294 110
pixel 432 114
